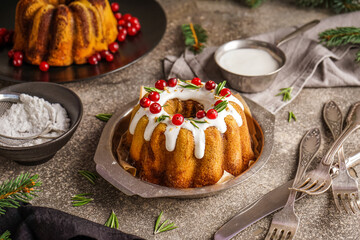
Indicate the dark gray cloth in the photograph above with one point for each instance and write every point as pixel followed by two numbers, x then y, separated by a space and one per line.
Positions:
pixel 309 64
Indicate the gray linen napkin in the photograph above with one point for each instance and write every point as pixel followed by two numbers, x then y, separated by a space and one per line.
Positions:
pixel 309 64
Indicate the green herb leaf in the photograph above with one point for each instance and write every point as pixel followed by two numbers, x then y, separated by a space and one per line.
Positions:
pixel 189 85
pixel 88 175
pixel 286 92
pixel 81 199
pixel 221 106
pixel 292 116
pixel 192 123
pixel 195 37
pixel 163 227
pixel 219 87
pixel 162 118
pixel 113 221
pixel 104 116
pixel 152 89
pixel 5 235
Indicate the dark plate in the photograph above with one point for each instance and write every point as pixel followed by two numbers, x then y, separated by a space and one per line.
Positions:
pixel 153 25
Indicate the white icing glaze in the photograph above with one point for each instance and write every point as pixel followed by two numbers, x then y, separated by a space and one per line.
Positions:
pixel 204 97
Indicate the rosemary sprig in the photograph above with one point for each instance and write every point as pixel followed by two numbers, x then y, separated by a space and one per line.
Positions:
pixel 221 106
pixel 81 199
pixel 5 235
pixel 286 92
pixel 292 116
pixel 219 87
pixel 193 122
pixel 104 116
pixel 113 221
pixel 162 118
pixel 163 227
pixel 16 190
pixel 152 89
pixel 189 85
pixel 88 175
pixel 195 37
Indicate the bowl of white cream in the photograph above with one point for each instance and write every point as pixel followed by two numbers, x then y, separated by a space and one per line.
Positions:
pixel 48 109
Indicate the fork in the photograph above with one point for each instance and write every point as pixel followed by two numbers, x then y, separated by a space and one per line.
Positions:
pixel 285 223
pixel 344 187
pixel 319 180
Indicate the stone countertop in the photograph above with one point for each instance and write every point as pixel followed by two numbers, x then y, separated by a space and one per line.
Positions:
pixel 196 218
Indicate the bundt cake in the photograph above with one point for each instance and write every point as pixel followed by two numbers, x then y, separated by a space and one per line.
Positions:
pixel 172 141
pixel 63 32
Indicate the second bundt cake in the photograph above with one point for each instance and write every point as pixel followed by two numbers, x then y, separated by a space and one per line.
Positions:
pixel 187 133
pixel 63 32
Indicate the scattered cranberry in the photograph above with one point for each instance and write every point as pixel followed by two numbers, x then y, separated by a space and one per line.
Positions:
pixel 121 37
pixel 121 22
pixel 11 53
pixel 17 62
pixel 118 15
pixel 3 31
pixel 93 60
pixel 210 85
pixel 145 102
pixel 18 55
pixel 131 31
pixel 217 102
pixel 196 81
pixel 172 82
pixel 201 114
pixel 44 66
pixel 128 24
pixel 160 84
pixel 127 17
pixel 225 92
pixel 98 56
pixel 123 31
pixel 104 53
pixel 212 114
pixel 155 108
pixel 177 119
pixel 109 57
pixel 154 96
pixel 114 47
pixel 120 27
pixel 134 20
pixel 115 7
pixel 137 27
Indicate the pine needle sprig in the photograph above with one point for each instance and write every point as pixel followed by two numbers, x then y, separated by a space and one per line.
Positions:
pixel 286 92
pixel 189 85
pixel 152 89
pixel 162 118
pixel 313 3
pixel 340 6
pixel 292 116
pixel 88 175
pixel 5 235
pixel 81 199
pixel 254 3
pixel 195 37
pixel 16 190
pixel 219 87
pixel 163 227
pixel 112 221
pixel 104 116
pixel 221 106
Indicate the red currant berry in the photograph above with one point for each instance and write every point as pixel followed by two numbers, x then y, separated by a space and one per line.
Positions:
pixel 104 53
pixel 201 114
pixel 3 31
pixel 145 102
pixel 196 81
pixel 210 85
pixel 137 27
pixel 132 31
pixel 134 20
pixel 118 15
pixel 93 60
pixel 154 96
pixel 225 92
pixel 17 62
pixel 217 102
pixel 155 108
pixel 120 27
pixel 128 25
pixel 160 84
pixel 121 37
pixel 115 7
pixel 127 17
pixel 123 31
pixel 109 57
pixel 98 56
pixel 11 53
pixel 44 66
pixel 121 22
pixel 177 119
pixel 18 55
pixel 114 47
pixel 172 82
pixel 212 114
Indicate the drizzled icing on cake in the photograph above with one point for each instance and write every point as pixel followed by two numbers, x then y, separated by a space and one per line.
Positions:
pixel 206 98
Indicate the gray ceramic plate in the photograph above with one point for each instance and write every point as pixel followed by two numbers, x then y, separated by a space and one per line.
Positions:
pixel 108 167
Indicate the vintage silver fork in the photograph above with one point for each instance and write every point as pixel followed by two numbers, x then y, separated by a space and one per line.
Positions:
pixel 344 187
pixel 319 180
pixel 285 223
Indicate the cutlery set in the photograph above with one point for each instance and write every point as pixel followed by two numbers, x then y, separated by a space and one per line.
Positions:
pixel 327 174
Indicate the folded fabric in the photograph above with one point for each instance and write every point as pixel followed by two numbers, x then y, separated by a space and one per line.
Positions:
pixel 309 64
pixel 39 223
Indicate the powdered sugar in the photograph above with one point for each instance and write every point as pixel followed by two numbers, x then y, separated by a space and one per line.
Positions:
pixel 31 116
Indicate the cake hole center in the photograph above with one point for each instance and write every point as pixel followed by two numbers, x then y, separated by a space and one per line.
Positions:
pixel 187 108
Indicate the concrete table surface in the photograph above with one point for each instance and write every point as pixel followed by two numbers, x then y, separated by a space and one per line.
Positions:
pixel 196 218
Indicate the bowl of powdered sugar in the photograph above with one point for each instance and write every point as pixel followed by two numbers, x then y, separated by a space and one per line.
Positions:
pixel 40 120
